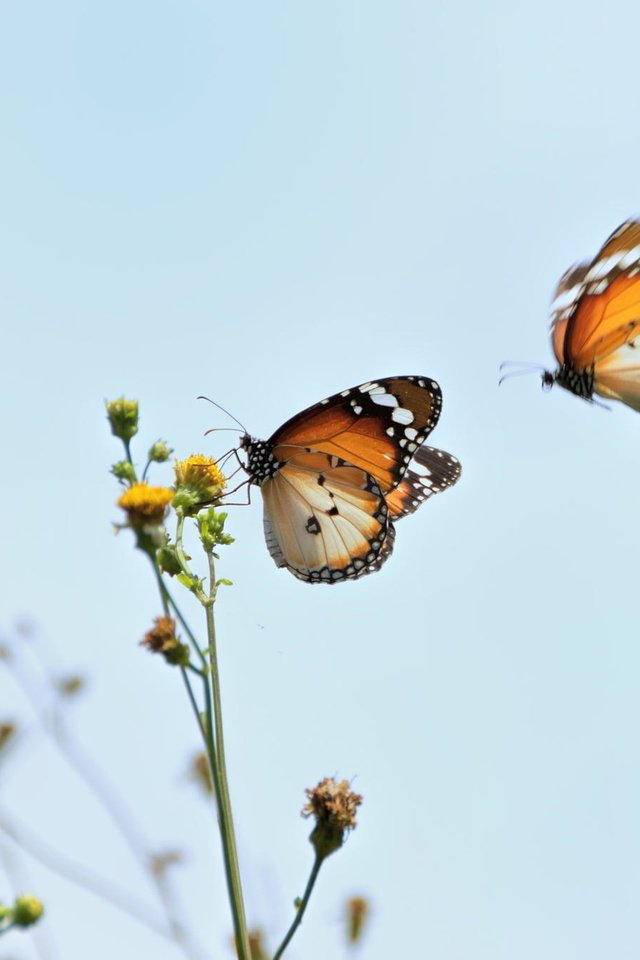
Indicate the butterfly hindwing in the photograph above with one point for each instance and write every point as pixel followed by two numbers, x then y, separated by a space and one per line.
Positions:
pixel 437 470
pixel 324 519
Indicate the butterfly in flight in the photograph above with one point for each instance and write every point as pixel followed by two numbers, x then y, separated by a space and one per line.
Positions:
pixel 595 322
pixel 335 477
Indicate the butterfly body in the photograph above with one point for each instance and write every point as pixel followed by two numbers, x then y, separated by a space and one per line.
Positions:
pixel 579 382
pixel 334 477
pixel 595 328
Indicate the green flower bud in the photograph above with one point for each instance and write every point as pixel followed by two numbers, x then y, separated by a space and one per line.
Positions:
pixel 123 470
pixel 123 418
pixel 168 561
pixel 159 452
pixel 27 910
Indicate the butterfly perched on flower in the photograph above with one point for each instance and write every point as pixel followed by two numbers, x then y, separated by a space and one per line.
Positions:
pixel 595 327
pixel 335 477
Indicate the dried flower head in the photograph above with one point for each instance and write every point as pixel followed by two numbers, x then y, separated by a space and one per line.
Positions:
pixel 257 948
pixel 70 686
pixel 334 807
pixel 162 639
pixel 201 772
pixel 199 480
pixel 7 732
pixel 145 505
pixel 123 418
pixel 357 912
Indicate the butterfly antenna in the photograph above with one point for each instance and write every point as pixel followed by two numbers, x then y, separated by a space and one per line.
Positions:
pixel 220 407
pixel 525 367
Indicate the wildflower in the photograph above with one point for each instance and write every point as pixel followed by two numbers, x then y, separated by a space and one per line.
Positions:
pixel 199 480
pixel 334 806
pixel 27 910
pixel 123 418
pixel 162 639
pixel 145 505
pixel 357 912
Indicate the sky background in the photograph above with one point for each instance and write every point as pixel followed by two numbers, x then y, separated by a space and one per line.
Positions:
pixel 267 203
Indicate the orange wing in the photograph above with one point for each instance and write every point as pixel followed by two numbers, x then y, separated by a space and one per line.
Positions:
pixel 377 426
pixel 608 298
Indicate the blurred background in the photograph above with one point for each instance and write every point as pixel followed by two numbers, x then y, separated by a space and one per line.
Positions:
pixel 267 203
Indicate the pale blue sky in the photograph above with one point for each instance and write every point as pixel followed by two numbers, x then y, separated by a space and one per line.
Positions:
pixel 267 203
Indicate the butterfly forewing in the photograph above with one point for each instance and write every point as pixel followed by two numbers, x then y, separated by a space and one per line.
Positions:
pixel 324 519
pixel 376 426
pixel 608 299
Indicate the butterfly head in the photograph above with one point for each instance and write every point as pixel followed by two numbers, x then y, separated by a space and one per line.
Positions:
pixel 261 463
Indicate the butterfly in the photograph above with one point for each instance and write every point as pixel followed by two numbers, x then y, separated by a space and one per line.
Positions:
pixel 335 477
pixel 595 327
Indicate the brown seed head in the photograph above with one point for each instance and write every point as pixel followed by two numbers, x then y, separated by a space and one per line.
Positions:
pixel 162 639
pixel 357 911
pixel 334 807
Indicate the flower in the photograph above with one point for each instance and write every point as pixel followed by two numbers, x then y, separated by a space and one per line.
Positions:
pixel 334 807
pixel 162 639
pixel 123 418
pixel 199 480
pixel 145 505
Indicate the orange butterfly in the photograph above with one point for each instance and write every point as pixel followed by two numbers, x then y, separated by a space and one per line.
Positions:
pixel 595 328
pixel 336 476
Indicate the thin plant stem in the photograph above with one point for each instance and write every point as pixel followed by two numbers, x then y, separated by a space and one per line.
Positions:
pixel 167 600
pixel 80 875
pixel 112 802
pixel 301 907
pixel 230 852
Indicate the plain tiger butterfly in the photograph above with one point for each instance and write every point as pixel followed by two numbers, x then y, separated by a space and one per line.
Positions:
pixel 595 325
pixel 335 477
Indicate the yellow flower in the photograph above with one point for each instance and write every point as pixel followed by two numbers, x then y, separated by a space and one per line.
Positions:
pixel 144 504
pixel 199 480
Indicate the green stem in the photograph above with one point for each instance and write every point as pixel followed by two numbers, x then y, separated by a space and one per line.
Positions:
pixel 219 773
pixel 301 907
pixel 167 601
